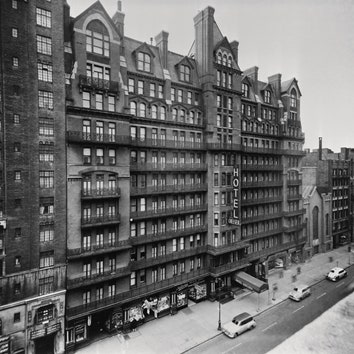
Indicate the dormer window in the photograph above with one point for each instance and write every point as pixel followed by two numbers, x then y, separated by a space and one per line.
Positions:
pixel 245 90
pixel 219 58
pixel 267 96
pixel 185 73
pixel 224 60
pixel 293 98
pixel 229 61
pixel 144 62
pixel 97 39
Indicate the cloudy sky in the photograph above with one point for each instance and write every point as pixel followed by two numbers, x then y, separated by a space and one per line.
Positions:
pixel 312 40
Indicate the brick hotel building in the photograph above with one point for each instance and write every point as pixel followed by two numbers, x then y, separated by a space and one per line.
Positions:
pixel 182 171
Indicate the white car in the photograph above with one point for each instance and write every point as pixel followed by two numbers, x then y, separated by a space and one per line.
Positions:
pixel 336 274
pixel 238 325
pixel 300 292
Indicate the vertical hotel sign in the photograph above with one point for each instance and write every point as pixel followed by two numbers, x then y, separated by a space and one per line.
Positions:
pixel 235 220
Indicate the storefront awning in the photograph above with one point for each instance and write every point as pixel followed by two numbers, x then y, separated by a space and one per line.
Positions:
pixel 251 282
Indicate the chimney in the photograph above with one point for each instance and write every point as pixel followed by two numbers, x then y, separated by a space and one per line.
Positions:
pixel 162 43
pixel 234 47
pixel 252 73
pixel 204 43
pixel 275 81
pixel 118 18
pixel 320 148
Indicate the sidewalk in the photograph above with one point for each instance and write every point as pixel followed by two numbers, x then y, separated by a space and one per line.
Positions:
pixel 198 323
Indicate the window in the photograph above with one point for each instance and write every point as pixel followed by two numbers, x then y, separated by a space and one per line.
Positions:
pixel 245 90
pixel 18 232
pixel 152 90
pixel 175 269
pixel 179 95
pixel 16 118
pixel 45 99
pixel 44 45
pixel 14 32
pixel 14 4
pixel 163 113
pixel 86 156
pixel 154 111
pixel 160 91
pixel 99 101
pixel 154 276
pixel 267 96
pixel 18 261
pixel 46 233
pixel 185 73
pixel 216 219
pixel 44 314
pixel 174 245
pixel 133 108
pixel 293 98
pixel 111 104
pixel 45 72
pixel 142 110
pixel 44 18
pixel 86 297
pixel 17 317
pixel 86 99
pixel 46 179
pixel 189 97
pixel 173 94
pixel 97 43
pixel 131 85
pixel 46 285
pixel 17 175
pixel 46 259
pixel 15 62
pixel 144 62
pixel 133 279
pixel 112 156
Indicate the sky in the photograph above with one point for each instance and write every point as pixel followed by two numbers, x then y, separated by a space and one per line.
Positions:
pixel 311 40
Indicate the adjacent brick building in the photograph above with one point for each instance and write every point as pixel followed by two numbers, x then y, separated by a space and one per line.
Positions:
pixel 33 177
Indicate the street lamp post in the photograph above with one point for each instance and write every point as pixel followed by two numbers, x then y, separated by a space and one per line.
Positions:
pixel 219 323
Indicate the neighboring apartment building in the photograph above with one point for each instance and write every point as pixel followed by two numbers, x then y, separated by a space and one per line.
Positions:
pixel 181 171
pixel 331 172
pixel 33 177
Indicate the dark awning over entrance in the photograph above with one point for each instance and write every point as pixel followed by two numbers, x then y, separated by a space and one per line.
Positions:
pixel 251 282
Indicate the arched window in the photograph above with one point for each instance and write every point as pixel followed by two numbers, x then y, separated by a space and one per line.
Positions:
pixel 229 61
pixel 144 62
pixel 224 60
pixel 191 117
pixel 97 38
pixel 219 58
pixel 133 108
pixel 315 222
pixel 154 111
pixel 142 110
pixel 163 113
pixel 174 114
pixel 293 98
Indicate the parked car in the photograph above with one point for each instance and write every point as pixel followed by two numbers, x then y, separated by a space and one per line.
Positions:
pixel 300 292
pixel 238 325
pixel 336 274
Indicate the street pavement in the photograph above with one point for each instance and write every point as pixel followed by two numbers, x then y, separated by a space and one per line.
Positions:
pixel 198 323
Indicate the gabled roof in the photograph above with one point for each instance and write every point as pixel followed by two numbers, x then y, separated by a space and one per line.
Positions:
pixel 223 43
pixel 144 48
pixel 252 93
pixel 307 191
pixel 286 85
pixel 187 61
pixel 98 7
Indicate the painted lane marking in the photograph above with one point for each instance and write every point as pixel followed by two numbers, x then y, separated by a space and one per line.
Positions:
pixel 321 295
pixel 237 345
pixel 273 324
pixel 340 284
pixel 298 309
